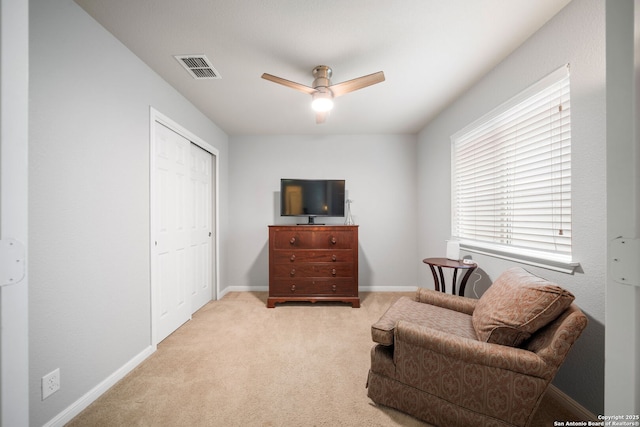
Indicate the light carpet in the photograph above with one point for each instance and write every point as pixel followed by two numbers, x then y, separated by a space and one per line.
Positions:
pixel 237 363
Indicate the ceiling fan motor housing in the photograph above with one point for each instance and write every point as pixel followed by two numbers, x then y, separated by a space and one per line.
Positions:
pixel 322 75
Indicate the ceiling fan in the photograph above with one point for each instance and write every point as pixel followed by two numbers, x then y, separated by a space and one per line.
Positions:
pixel 323 92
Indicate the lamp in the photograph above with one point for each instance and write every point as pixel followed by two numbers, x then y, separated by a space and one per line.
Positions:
pixel 322 100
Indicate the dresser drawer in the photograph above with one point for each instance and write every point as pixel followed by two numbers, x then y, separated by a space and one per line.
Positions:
pixel 302 255
pixel 301 270
pixel 302 239
pixel 308 287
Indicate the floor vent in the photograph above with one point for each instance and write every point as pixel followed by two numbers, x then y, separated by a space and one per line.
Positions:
pixel 198 66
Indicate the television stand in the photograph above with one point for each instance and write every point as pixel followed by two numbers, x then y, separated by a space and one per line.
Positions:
pixel 312 221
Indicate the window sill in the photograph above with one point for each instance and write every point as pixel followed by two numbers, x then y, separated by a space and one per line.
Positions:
pixel 563 265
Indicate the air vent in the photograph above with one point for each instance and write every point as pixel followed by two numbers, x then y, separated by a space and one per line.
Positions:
pixel 198 66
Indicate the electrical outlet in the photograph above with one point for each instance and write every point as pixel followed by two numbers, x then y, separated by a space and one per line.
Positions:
pixel 50 383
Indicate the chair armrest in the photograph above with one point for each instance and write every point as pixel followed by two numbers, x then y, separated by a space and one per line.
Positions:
pixel 458 349
pixel 452 302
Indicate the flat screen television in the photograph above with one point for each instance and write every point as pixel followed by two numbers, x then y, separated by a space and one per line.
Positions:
pixel 312 198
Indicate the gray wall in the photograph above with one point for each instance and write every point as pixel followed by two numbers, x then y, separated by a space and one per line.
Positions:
pixel 89 200
pixel 576 36
pixel 380 174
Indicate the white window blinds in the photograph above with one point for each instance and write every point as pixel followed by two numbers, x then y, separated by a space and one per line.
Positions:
pixel 511 174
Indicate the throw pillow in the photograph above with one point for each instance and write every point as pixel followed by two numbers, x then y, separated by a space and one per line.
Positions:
pixel 516 305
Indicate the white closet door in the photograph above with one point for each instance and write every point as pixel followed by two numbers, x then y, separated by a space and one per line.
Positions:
pixel 171 262
pixel 201 229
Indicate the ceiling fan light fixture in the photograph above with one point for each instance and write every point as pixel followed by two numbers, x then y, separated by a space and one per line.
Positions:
pixel 322 101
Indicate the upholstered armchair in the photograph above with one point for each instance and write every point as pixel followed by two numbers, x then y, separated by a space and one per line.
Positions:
pixel 456 361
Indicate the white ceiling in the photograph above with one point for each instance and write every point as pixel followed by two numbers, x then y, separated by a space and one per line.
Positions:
pixel 431 51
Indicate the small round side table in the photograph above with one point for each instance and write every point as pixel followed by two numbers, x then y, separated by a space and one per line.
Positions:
pixel 449 263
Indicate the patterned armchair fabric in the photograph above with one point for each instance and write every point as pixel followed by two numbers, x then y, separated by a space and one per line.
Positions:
pixel 430 363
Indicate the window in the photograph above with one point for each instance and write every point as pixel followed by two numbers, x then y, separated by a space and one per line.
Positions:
pixel 511 177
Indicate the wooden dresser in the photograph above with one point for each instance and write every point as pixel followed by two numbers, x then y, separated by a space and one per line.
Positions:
pixel 313 263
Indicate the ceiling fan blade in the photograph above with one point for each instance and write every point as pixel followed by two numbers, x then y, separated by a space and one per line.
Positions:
pixel 321 117
pixel 355 84
pixel 289 83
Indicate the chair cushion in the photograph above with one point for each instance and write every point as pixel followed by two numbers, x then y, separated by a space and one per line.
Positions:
pixel 439 318
pixel 516 305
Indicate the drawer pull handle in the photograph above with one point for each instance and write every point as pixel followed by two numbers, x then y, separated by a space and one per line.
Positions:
pixel 293 272
pixel 333 272
pixel 292 240
pixel 334 288
pixel 293 257
pixel 334 241
pixel 293 288
pixel 334 258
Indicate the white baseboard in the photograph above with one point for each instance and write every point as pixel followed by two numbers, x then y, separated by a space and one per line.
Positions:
pixel 81 404
pixel 228 289
pixel 243 289
pixel 387 288
pixel 567 402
